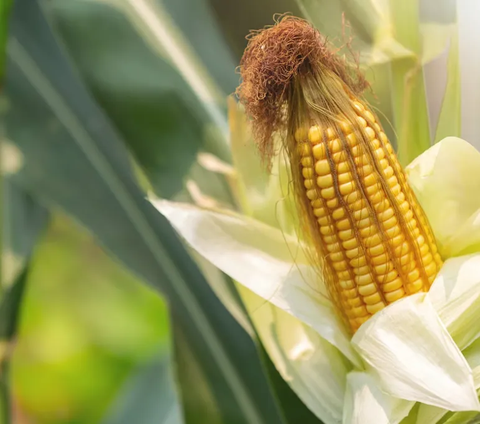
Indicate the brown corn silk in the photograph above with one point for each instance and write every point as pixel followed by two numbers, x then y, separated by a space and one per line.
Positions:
pixel 371 240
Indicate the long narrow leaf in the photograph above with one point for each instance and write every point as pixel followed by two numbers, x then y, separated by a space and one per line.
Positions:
pixel 74 159
pixel 160 115
pixel 450 119
pixel 5 6
pixel 148 396
pixel 408 87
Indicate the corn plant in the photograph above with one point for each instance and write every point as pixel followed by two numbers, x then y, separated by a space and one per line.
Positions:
pixel 117 119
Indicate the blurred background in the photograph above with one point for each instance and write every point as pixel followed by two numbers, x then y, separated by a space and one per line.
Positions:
pixel 103 92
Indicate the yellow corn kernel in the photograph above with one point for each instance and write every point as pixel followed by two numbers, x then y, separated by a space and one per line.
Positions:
pixel 370 133
pixel 314 134
pixel 301 135
pixel 415 287
pixel 352 140
pixel 312 194
pixel 344 224
pixel 395 295
pixel 355 302
pixel 361 121
pixel 343 167
pixel 373 299
pixel 318 150
pixel 334 247
pixel 325 181
pixel 308 184
pixel 326 220
pixel 393 285
pixel 335 146
pixel 327 193
pixel 338 213
pixel 337 256
pixel 358 261
pixel 340 266
pixel 307 162
pixel 320 212
pixel 333 203
pixel 304 149
pixel 367 290
pixel 330 133
pixel 373 309
pixel 351 252
pixel 347 284
pixel 322 167
pixel 345 177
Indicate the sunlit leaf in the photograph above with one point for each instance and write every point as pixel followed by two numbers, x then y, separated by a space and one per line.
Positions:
pixel 371 30
pixel 444 179
pixel 449 121
pixel 409 336
pixel 365 402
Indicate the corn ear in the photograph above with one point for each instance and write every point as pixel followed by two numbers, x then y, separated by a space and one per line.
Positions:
pixel 373 239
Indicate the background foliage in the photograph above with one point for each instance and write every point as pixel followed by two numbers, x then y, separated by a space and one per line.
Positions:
pixel 104 101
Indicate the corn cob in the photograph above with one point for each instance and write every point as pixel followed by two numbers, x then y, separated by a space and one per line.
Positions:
pixel 371 241
pixel 375 240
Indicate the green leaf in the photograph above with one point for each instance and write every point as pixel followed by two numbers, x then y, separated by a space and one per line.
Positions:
pixel 23 220
pixel 89 319
pixel 199 26
pixel 163 113
pixel 369 27
pixel 449 121
pixel 74 159
pixel 5 6
pixel 293 408
pixel 148 396
pixel 200 399
pixel 435 38
pixel 410 109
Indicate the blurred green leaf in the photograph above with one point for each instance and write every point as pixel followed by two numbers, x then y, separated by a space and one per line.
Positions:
pixel 5 6
pixel 10 307
pixel 148 396
pixel 162 112
pixel 200 28
pixel 199 397
pixel 201 400
pixel 74 159
pixel 449 121
pixel 410 109
pixel 293 408
pixel 9 315
pixel 435 38
pixel 23 220
pixel 86 323
pixel 368 30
